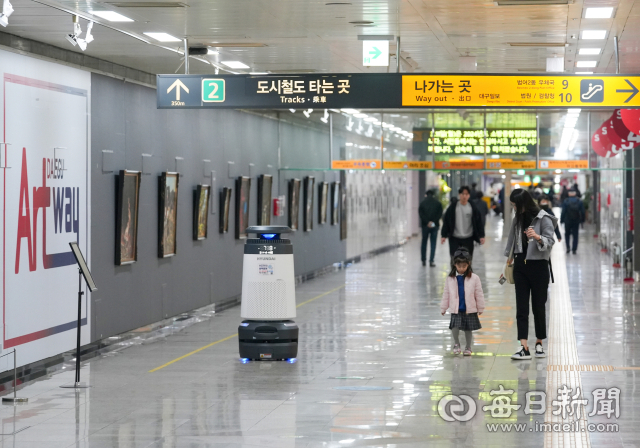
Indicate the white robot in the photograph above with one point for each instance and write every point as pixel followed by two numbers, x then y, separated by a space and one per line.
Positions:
pixel 268 297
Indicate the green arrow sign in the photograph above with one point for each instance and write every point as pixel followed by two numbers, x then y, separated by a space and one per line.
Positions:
pixel 375 53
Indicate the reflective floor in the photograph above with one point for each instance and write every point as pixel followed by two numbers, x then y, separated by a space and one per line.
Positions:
pixel 374 363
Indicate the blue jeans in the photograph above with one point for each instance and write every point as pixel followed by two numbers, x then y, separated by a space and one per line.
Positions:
pixel 571 229
pixel 426 233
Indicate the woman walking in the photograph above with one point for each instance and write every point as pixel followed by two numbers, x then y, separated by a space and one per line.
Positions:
pixel 529 247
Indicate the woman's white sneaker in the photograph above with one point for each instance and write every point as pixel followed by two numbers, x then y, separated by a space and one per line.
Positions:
pixel 521 354
pixel 540 351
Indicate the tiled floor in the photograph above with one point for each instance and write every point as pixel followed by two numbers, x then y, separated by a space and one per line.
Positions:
pixel 373 365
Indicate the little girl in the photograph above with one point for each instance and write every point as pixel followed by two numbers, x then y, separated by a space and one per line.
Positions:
pixel 464 299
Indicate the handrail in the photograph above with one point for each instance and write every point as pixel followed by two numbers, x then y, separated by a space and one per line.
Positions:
pixel 15 399
pixel 6 354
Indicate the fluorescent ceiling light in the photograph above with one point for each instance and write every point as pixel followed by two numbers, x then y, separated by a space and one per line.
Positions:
pixel 599 13
pixel 235 64
pixel 589 51
pixel 212 51
pixel 111 16
pixel 594 34
pixel 586 63
pixel 258 73
pixel 359 115
pixel 162 37
pixel 584 73
pixel 350 111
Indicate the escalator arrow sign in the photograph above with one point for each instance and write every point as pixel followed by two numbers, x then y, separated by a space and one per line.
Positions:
pixel 634 90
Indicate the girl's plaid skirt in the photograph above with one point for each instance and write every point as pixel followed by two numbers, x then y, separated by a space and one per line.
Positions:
pixel 465 321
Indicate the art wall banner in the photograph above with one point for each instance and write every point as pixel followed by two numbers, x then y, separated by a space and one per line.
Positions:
pixel 45 181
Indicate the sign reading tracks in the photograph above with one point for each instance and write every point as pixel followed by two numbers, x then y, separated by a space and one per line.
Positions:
pixel 393 90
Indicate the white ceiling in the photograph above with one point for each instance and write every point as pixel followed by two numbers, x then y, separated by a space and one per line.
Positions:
pixel 309 35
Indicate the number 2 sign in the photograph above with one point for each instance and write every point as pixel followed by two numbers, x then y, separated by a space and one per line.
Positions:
pixel 213 90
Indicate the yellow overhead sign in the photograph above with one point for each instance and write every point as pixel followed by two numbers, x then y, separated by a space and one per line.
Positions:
pixel 508 164
pixel 466 90
pixel 407 165
pixel 360 164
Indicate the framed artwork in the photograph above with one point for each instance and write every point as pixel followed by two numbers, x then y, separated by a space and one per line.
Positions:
pixel 167 213
pixel 201 197
pixel 323 191
pixel 294 203
pixel 343 206
pixel 335 203
pixel 243 188
pixel 127 204
pixel 309 188
pixel 265 182
pixel 225 204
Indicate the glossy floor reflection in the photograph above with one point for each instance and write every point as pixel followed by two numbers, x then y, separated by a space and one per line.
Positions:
pixel 374 361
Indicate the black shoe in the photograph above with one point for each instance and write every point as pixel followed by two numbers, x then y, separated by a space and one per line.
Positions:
pixel 574 252
pixel 521 354
pixel 568 250
pixel 424 263
pixel 432 264
pixel 540 351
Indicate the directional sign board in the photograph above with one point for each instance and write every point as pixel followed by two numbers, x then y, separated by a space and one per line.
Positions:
pixel 375 53
pixel 519 91
pixel 179 92
pixel 393 90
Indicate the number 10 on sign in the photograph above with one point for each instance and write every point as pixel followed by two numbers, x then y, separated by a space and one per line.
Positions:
pixel 213 90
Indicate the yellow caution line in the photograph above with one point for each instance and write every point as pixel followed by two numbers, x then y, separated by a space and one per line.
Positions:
pixel 234 335
pixel 321 295
pixel 193 353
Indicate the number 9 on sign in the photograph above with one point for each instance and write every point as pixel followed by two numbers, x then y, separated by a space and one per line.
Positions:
pixel 213 90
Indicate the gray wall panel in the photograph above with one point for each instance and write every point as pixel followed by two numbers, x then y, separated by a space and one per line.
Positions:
pixel 125 120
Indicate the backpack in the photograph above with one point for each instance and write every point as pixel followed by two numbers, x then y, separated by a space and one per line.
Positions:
pixel 573 211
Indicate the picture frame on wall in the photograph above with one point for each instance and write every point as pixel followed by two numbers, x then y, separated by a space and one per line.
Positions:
pixel 201 196
pixel 225 205
pixel 343 213
pixel 265 183
pixel 167 214
pixel 127 205
pixel 335 203
pixel 309 188
pixel 323 193
pixel 294 203
pixel 243 189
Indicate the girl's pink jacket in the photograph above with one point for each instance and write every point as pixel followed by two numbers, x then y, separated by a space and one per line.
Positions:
pixel 473 295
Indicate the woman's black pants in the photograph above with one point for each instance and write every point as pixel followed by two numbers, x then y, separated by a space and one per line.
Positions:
pixel 532 280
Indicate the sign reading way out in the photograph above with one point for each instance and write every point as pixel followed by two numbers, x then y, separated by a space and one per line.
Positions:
pixel 394 90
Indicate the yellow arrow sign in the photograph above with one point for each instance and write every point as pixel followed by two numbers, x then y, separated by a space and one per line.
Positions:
pixel 520 91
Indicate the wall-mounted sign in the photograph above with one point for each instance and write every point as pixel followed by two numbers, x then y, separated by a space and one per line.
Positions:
pixel 363 164
pixel 407 165
pixel 375 53
pixel 563 164
pixel 393 90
